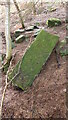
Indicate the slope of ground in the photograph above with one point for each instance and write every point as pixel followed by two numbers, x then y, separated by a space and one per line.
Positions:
pixel 46 97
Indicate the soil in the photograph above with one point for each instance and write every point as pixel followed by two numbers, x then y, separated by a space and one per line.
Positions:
pixel 46 98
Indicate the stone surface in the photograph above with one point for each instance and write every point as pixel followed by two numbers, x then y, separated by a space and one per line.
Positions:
pixel 20 39
pixel 19 32
pixel 64 51
pixel 31 28
pixel 62 48
pixel 53 22
pixel 33 60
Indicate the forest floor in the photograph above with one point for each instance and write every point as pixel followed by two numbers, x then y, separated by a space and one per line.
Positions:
pixel 47 96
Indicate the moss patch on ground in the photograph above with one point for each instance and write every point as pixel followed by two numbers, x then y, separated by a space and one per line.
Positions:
pixel 33 60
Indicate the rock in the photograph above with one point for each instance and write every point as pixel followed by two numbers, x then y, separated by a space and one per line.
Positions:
pixel 62 43
pixel 19 32
pixel 53 22
pixel 66 38
pixel 61 46
pixel 36 32
pixel 64 52
pixel 67 27
pixel 20 39
pixel 52 9
pixel 31 28
pixel 66 20
pixel 35 57
pixel 64 90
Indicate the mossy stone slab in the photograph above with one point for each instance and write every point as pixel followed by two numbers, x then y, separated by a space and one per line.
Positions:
pixel 33 60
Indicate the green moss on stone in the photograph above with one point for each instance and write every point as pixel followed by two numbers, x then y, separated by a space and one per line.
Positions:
pixel 53 22
pixel 33 60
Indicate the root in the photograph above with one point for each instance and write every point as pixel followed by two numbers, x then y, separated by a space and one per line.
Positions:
pixel 6 80
pixel 3 96
pixel 5 88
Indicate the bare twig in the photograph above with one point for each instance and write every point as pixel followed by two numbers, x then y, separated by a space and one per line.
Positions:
pixel 3 98
pixel 20 15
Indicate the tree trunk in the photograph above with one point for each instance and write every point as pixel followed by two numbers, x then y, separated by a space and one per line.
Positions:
pixel 34 8
pixel 20 16
pixel 7 31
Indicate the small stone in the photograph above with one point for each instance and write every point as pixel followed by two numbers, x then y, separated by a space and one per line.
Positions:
pixel 36 32
pixel 66 20
pixel 64 90
pixel 66 27
pixel 31 28
pixel 20 39
pixel 19 32
pixel 53 22
pixel 52 9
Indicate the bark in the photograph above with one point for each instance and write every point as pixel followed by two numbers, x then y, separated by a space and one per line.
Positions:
pixel 20 16
pixel 34 8
pixel 7 31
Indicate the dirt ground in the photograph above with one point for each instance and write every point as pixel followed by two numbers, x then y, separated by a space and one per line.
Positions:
pixel 46 98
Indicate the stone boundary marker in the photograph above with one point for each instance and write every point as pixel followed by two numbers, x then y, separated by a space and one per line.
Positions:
pixel 33 60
